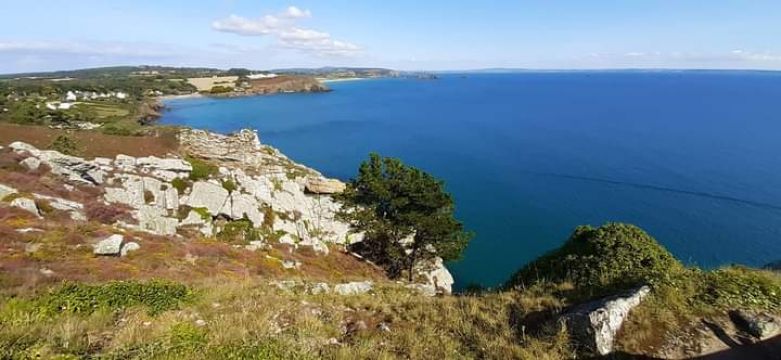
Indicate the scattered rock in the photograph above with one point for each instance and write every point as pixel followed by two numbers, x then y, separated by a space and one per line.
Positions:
pixel 291 264
pixel 129 247
pixel 384 327
pixel 319 288
pixel 758 325
pixel 27 230
pixel 594 325
pixel 31 163
pixel 200 322
pixel 353 288
pixel 26 204
pixel 110 246
pixel 154 220
pixel 47 272
pixel 423 289
pixel 256 245
pixel 6 190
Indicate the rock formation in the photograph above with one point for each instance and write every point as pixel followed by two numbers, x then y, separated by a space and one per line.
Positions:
pixel 594 325
pixel 283 201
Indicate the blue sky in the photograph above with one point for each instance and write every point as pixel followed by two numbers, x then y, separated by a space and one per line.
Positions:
pixel 402 34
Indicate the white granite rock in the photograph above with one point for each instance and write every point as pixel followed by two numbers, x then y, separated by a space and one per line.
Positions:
pixel 26 204
pixel 111 245
pixel 208 195
pixel 129 247
pixel 6 190
pixel 31 163
pixel 353 288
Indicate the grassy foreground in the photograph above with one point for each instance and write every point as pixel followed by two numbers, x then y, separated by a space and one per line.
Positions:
pixel 253 318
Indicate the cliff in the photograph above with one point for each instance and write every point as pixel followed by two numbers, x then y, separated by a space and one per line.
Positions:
pixel 222 247
pixel 284 83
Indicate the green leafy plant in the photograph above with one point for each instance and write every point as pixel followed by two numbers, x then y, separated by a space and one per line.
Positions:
pixel 181 185
pixel 66 145
pixel 202 169
pixel 600 260
pixel 405 213
pixel 239 231
pixel 156 295
pixel 229 185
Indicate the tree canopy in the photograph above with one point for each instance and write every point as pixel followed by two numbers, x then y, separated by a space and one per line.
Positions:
pixel 406 216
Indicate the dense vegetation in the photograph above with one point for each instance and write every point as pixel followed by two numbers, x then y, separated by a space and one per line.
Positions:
pixel 601 260
pixel 406 216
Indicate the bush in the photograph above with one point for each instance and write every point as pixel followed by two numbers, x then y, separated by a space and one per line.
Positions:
pixel 740 287
pixel 239 231
pixel 201 168
pixel 66 145
pixel 599 261
pixel 157 296
pixel 220 89
pixel 180 185
pixel 229 185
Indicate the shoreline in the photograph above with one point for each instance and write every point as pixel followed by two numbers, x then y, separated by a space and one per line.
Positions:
pixel 325 80
pixel 184 96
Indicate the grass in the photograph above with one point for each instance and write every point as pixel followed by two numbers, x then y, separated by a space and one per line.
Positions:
pixel 202 169
pixel 242 320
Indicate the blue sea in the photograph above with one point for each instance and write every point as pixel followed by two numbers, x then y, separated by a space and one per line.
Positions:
pixel 694 158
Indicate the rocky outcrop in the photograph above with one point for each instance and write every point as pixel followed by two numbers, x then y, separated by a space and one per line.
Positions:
pixel 285 202
pixel 324 186
pixel 594 325
pixel 757 324
pixel 285 83
pixel 26 204
pixel 74 168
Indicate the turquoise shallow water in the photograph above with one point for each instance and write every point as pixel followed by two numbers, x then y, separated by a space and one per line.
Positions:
pixel 692 157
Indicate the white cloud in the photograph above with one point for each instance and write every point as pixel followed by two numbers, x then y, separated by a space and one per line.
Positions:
pixel 85 48
pixel 288 34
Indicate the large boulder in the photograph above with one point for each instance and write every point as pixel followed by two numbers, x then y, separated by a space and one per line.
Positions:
pixel 594 325
pixel 245 205
pixel 130 193
pixel 26 204
pixel 154 220
pixel 353 288
pixel 167 164
pixel 72 167
pixel 208 195
pixel 110 246
pixel 758 324
pixel 324 186
pixel 439 277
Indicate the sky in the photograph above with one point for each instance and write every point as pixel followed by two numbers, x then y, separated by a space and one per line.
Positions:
pixel 42 35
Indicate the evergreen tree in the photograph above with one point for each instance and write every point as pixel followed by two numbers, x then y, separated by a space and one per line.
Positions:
pixel 405 214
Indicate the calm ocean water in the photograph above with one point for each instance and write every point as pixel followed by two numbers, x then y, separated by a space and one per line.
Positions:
pixel 694 158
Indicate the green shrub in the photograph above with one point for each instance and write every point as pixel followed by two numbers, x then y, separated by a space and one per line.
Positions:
pixel 203 213
pixel 180 185
pixel 603 260
pixel 201 168
pixel 157 296
pixel 66 145
pixel 740 287
pixel 229 185
pixel 220 89
pixel 239 231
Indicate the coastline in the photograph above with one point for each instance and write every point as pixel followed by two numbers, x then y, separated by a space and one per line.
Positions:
pixel 174 97
pixel 326 80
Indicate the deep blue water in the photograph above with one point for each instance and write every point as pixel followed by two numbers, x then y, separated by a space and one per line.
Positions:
pixel 693 158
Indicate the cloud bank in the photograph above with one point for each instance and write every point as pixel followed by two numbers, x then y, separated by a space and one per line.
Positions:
pixel 283 26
